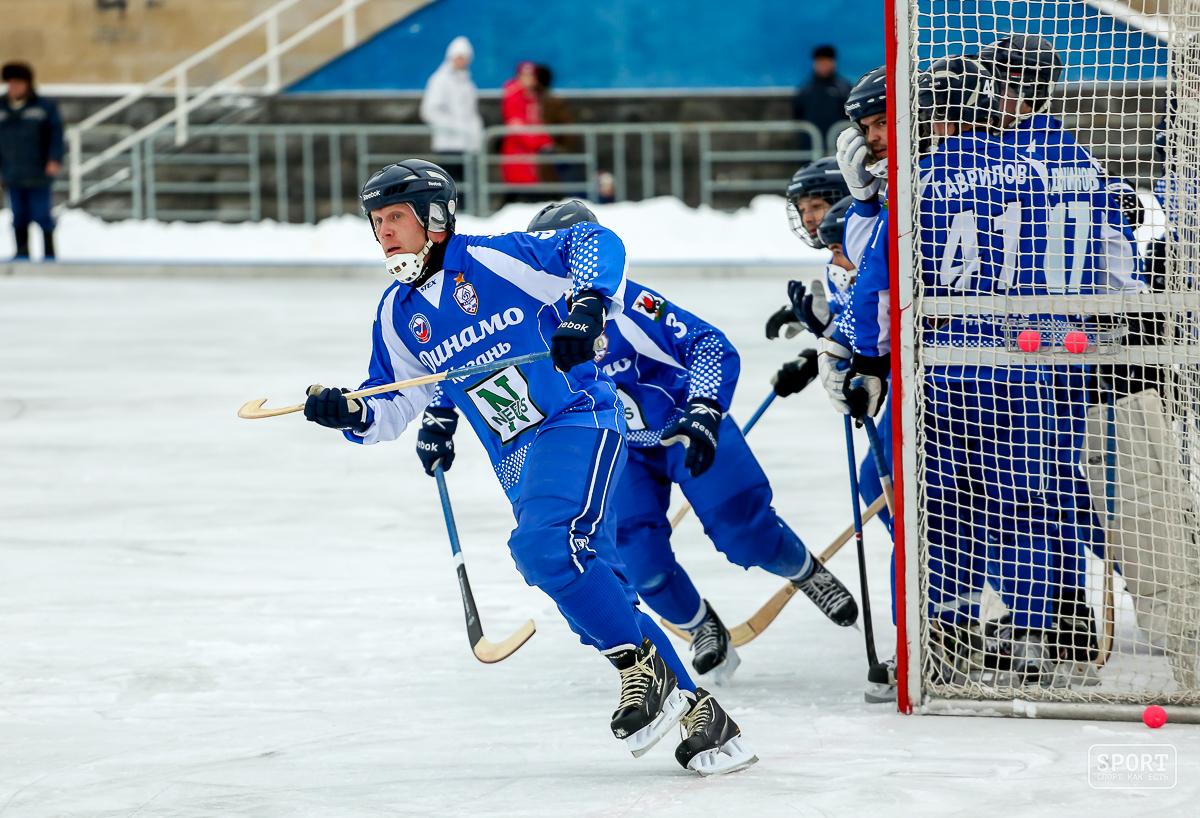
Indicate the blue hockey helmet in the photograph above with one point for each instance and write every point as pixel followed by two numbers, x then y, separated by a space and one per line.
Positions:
pixel 821 179
pixel 424 186
pixel 868 96
pixel 560 215
pixel 833 226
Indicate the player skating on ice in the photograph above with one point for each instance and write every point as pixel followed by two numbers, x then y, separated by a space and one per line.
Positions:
pixel 676 375
pixel 552 428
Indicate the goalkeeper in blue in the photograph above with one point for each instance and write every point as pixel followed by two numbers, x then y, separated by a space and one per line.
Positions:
pixel 553 429
pixel 675 375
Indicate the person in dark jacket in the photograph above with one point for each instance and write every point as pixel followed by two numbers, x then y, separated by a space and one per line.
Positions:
pixel 822 99
pixel 31 154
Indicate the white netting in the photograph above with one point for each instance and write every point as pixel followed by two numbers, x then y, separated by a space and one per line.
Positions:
pixel 1055 329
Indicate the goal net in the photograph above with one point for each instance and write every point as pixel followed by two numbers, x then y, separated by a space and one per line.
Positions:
pixel 1046 341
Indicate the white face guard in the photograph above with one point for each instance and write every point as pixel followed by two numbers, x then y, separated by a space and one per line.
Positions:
pixel 407 267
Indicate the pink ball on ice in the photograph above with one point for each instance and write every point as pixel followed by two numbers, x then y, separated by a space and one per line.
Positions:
pixel 1076 341
pixel 1029 340
pixel 1154 717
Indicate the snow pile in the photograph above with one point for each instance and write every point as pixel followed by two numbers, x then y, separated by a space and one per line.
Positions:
pixel 661 230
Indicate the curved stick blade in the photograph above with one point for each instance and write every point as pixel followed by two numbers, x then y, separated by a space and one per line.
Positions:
pixel 492 652
pixel 253 409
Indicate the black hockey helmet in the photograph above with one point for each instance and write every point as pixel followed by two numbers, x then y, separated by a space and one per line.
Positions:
pixel 821 179
pixel 956 90
pixel 561 215
pixel 426 187
pixel 833 226
pixel 868 96
pixel 1027 65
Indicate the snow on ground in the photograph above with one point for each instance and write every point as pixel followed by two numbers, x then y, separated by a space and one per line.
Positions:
pixel 657 230
pixel 205 616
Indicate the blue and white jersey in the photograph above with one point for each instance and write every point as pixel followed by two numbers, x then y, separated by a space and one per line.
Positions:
pixel 660 356
pixel 982 214
pixel 839 285
pixel 1090 248
pixel 869 317
pixel 498 297
pixel 860 226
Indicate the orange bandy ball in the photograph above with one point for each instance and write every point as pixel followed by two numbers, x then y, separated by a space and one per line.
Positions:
pixel 1029 340
pixel 1076 342
pixel 1154 716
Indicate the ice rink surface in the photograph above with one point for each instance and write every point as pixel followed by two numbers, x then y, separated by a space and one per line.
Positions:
pixel 206 616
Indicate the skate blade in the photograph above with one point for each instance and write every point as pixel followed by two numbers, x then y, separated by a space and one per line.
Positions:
pixel 722 674
pixel 674 708
pixel 730 757
pixel 876 693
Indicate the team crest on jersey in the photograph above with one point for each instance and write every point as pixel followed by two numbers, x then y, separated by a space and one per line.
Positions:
pixel 421 329
pixel 465 295
pixel 504 403
pixel 650 305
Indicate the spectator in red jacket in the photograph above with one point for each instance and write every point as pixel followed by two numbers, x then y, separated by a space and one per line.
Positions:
pixel 521 105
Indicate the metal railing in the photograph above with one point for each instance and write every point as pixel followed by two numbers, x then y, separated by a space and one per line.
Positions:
pixel 265 24
pixel 308 172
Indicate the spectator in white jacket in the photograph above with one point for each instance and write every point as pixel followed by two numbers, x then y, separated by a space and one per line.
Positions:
pixel 451 103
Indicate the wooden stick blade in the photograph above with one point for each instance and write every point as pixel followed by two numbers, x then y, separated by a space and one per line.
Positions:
pixel 253 409
pixel 491 652
pixel 749 630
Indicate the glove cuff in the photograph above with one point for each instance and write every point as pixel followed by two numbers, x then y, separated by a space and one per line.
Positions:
pixel 877 366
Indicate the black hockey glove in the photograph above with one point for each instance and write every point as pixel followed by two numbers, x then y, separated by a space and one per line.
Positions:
pixel 697 430
pixel 793 376
pixel 435 441
pixel 783 323
pixel 811 306
pixel 573 343
pixel 866 384
pixel 330 407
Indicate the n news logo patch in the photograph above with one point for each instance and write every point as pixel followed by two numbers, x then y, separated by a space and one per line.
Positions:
pixel 503 402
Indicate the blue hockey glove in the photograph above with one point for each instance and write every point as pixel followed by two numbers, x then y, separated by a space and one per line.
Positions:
pixel 331 408
pixel 697 430
pixel 866 384
pixel 811 305
pixel 793 376
pixel 435 441
pixel 573 343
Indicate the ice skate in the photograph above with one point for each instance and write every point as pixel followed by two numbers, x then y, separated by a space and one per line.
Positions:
pixel 712 742
pixel 1020 656
pixel 713 656
pixel 651 701
pixel 881 683
pixel 828 593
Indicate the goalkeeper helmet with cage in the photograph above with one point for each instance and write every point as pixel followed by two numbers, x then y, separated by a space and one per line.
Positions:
pixel 956 91
pixel 561 215
pixel 1026 67
pixel 821 180
pixel 428 190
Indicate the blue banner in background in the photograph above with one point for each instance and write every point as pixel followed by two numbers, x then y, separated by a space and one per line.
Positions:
pixel 616 44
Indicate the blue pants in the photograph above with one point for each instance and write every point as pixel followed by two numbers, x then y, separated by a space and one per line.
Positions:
pixel 733 502
pixel 994 477
pixel 564 540
pixel 31 205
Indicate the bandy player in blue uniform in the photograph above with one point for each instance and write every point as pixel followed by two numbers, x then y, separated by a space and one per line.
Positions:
pixel 553 428
pixel 993 487
pixel 675 375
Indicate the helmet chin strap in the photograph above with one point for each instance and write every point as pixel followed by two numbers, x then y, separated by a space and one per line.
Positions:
pixel 407 267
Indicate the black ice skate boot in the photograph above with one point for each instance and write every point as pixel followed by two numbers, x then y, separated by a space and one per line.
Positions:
pixel 651 701
pixel 713 655
pixel 712 743
pixel 1021 656
pixel 830 595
